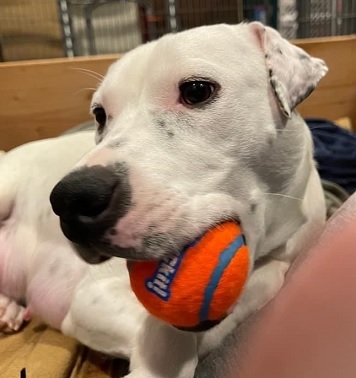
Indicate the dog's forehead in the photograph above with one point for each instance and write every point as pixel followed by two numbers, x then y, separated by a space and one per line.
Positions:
pixel 200 52
pixel 208 43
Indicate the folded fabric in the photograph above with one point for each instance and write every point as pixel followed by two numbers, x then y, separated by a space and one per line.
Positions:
pixel 335 196
pixel 335 153
pixel 37 352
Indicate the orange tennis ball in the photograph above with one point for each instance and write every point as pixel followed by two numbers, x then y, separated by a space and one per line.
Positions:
pixel 195 290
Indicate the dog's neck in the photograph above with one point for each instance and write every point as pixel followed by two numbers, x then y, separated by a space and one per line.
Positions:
pixel 292 161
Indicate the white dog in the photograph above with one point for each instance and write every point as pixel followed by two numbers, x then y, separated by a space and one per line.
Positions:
pixel 193 129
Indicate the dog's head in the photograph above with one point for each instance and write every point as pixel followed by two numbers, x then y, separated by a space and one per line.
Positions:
pixel 193 129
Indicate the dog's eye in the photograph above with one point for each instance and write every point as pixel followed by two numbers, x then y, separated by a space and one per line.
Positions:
pixel 195 92
pixel 100 115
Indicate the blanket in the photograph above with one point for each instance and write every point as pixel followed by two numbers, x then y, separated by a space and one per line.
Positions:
pixel 38 351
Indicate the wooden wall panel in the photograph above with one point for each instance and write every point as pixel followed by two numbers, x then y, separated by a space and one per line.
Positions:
pixel 335 97
pixel 40 99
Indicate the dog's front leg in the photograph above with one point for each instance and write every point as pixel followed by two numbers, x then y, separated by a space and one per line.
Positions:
pixel 163 352
pixel 263 284
pixel 104 314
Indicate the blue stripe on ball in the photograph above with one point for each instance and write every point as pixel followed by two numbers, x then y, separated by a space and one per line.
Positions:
pixel 224 260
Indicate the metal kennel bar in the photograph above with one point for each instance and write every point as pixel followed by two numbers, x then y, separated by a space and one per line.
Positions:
pixel 318 18
pixel 32 29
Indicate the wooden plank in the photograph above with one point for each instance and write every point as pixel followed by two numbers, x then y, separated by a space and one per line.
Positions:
pixel 43 98
pixel 335 97
pixel 40 99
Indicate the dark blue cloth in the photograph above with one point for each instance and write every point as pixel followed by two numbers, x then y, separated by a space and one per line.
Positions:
pixel 335 152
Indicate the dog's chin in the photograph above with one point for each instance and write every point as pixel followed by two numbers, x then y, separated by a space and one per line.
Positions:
pixel 90 256
pixel 101 252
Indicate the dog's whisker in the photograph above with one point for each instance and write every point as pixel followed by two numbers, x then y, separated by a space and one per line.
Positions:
pixel 316 127
pixel 284 196
pixel 90 73
pixel 86 70
pixel 297 131
pixel 294 131
pixel 85 89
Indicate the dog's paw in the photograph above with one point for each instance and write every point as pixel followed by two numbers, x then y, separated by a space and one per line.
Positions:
pixel 280 268
pixel 269 279
pixel 264 284
pixel 273 280
pixel 12 315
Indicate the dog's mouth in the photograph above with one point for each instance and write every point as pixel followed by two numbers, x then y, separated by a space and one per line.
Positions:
pixel 97 255
pixel 104 217
pixel 153 247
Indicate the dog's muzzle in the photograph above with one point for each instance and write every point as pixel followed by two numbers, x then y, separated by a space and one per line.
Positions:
pixel 89 201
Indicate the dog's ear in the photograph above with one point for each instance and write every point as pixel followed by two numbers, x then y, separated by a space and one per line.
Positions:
pixel 293 73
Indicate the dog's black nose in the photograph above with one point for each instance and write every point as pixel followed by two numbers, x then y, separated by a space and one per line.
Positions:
pixel 89 201
pixel 86 192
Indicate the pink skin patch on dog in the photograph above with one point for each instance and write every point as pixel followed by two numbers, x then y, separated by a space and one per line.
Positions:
pixel 12 268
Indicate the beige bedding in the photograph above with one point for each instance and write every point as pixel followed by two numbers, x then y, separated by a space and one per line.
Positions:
pixel 42 351
pixel 45 353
